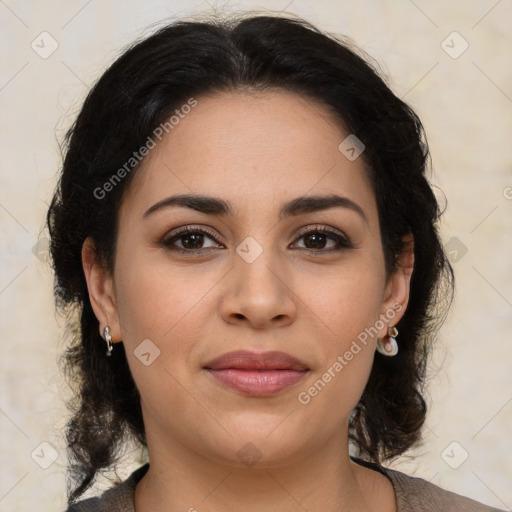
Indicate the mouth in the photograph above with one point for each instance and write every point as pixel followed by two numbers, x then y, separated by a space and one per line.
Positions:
pixel 257 374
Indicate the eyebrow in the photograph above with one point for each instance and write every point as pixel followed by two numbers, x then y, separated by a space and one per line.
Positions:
pixel 219 207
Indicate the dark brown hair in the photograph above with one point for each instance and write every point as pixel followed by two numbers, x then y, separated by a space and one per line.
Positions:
pixel 138 92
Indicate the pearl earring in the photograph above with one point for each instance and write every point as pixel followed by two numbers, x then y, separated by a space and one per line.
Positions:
pixel 389 348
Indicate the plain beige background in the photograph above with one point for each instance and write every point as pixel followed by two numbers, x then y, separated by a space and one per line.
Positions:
pixel 449 61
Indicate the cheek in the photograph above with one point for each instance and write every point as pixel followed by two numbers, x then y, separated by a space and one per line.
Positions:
pixel 165 304
pixel 149 300
pixel 333 392
pixel 345 308
pixel 342 300
pixel 345 305
pixel 170 308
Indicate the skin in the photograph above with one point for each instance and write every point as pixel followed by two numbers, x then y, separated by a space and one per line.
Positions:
pixel 257 151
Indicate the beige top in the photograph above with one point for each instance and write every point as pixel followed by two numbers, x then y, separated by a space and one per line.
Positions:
pixel 412 495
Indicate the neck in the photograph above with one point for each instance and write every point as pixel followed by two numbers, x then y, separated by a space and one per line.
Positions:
pixel 323 480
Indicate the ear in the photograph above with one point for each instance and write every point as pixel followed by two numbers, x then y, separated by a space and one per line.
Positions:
pixel 101 290
pixel 396 294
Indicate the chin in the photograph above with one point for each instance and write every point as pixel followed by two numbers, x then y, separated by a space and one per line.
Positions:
pixel 262 441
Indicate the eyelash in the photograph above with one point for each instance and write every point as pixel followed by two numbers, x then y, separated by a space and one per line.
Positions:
pixel 342 240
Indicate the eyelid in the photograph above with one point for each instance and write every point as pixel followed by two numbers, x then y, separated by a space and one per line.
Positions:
pixel 336 235
pixel 192 229
pixel 321 228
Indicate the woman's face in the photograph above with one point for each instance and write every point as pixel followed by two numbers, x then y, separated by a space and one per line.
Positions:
pixel 252 280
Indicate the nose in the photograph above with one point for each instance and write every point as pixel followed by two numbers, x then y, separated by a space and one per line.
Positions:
pixel 259 294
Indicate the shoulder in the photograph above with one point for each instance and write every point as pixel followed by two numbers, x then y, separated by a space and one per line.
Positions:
pixel 117 499
pixel 417 495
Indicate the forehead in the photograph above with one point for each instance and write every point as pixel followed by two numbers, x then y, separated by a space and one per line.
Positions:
pixel 261 149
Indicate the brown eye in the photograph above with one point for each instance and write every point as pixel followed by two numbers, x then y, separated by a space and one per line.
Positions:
pixel 192 240
pixel 189 240
pixel 317 240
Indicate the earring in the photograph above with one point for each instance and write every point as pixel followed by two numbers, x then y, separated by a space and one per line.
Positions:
pixel 390 348
pixel 108 339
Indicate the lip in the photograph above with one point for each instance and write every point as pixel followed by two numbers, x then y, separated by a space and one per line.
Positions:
pixel 257 373
pixel 247 360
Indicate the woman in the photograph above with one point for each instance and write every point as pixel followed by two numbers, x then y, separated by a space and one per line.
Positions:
pixel 246 237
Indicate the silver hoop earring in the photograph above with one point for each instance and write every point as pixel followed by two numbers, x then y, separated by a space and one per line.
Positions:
pixel 389 348
pixel 108 340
